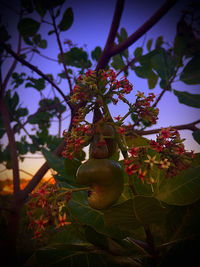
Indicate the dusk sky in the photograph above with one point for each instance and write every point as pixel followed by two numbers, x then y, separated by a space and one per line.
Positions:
pixel 92 20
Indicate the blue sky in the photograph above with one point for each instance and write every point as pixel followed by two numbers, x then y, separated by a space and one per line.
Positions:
pixel 92 20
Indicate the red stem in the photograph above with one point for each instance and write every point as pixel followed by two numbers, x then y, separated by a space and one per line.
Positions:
pixel 144 28
pixel 106 54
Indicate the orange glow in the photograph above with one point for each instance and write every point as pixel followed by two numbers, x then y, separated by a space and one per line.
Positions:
pixel 8 188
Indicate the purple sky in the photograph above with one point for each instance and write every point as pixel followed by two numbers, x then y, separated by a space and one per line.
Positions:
pixel 92 20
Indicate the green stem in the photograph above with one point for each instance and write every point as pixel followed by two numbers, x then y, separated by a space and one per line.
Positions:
pixel 72 190
pixel 120 144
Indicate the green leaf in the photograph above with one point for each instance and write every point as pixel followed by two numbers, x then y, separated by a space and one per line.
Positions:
pixel 38 84
pixel 95 54
pixel 18 79
pixel 76 57
pixel 122 36
pixel 117 62
pixel 99 240
pixel 137 141
pixel 159 42
pixel 86 215
pixel 191 72
pixel 143 71
pixel 4 34
pixel 152 80
pixel 136 212
pixel 77 255
pixel 163 64
pixel 21 112
pixel 71 166
pixel 183 189
pixel 40 8
pixel 179 45
pixel 138 52
pixel 69 234
pixel 39 42
pixel 196 136
pixel 192 100
pixel 149 44
pixel 28 27
pixel 67 20
pixel 54 162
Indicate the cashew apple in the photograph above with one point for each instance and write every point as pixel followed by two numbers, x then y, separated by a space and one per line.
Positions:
pixel 105 180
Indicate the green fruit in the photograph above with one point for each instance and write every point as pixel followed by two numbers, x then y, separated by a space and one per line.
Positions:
pixel 109 132
pixel 99 150
pixel 106 149
pixel 105 179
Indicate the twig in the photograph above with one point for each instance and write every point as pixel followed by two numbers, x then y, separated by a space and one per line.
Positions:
pixel 39 174
pixel 190 126
pixel 61 51
pixel 143 29
pixel 10 71
pixel 13 147
pixel 36 70
pixel 134 60
pixel 30 117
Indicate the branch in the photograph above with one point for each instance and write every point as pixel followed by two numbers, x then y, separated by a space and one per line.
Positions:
pixel 106 54
pixel 130 63
pixel 30 117
pixel 61 52
pixel 190 126
pixel 10 71
pixel 36 70
pixel 167 87
pixel 13 147
pixel 144 28
pixel 39 175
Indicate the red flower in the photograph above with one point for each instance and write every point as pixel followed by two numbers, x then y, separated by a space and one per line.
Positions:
pixel 41 222
pixel 131 169
pixel 118 118
pixel 133 151
pixel 180 150
pixel 155 145
pixel 165 133
pixel 62 221
pixel 104 75
pixel 142 174
pixel 37 234
pixel 117 84
pixel 121 130
pixel 89 73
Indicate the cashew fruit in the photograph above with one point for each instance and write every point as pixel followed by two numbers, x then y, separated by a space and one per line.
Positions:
pixel 109 131
pixel 104 144
pixel 105 180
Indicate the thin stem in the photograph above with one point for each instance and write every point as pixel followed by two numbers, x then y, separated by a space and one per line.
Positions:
pixel 36 70
pixel 61 50
pixel 10 71
pixel 72 190
pixel 190 126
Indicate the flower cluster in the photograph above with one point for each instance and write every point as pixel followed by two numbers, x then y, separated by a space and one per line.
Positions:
pixel 117 88
pixel 170 146
pixel 75 140
pixel 143 112
pixel 166 153
pixel 46 209
pixel 85 88
pixel 90 85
